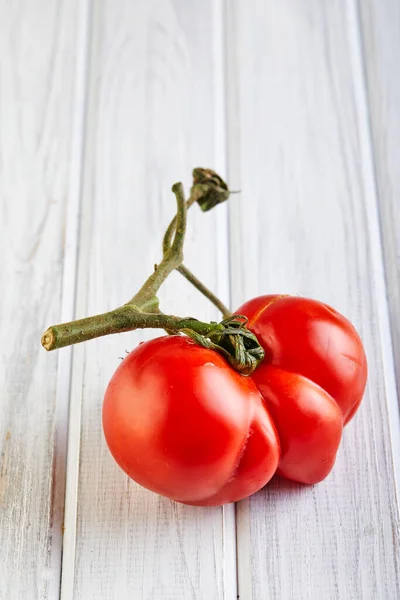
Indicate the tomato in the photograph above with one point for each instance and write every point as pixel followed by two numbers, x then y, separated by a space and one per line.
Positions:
pixel 312 379
pixel 181 422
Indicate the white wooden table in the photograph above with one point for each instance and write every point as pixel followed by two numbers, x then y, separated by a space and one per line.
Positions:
pixel 103 105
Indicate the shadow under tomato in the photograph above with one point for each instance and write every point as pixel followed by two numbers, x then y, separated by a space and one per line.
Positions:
pixel 280 487
pixel 282 484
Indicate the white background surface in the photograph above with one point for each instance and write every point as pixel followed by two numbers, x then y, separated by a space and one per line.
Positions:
pixel 103 105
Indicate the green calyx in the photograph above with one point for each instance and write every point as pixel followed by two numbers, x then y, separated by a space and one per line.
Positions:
pixel 237 344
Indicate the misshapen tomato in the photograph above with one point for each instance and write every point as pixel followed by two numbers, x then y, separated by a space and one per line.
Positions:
pixel 181 422
pixel 312 378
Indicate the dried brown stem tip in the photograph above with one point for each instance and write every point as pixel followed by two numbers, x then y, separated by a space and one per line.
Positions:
pixel 48 339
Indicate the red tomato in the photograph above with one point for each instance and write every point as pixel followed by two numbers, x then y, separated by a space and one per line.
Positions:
pixel 181 422
pixel 312 379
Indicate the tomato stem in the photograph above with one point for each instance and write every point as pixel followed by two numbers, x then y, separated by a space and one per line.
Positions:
pixel 172 258
pixel 204 290
pixel 197 192
pixel 230 338
pixel 124 318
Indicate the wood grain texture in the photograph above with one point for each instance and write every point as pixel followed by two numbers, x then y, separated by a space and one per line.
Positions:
pixel 306 224
pixel 150 120
pixel 380 23
pixel 37 50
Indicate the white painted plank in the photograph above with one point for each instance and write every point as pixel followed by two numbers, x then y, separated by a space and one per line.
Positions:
pixel 37 60
pixel 306 224
pixel 219 108
pixel 67 387
pixel 380 23
pixel 150 120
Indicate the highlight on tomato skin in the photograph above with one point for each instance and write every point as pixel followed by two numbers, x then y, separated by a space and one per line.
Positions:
pixel 180 421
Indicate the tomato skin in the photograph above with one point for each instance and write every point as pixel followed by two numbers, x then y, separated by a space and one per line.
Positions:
pixel 308 420
pixel 312 339
pixel 313 378
pixel 180 421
